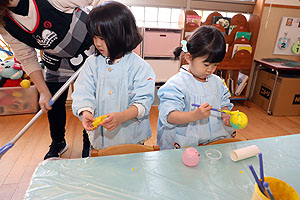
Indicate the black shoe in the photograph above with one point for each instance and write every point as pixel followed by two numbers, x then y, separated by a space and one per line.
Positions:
pixel 86 145
pixel 56 149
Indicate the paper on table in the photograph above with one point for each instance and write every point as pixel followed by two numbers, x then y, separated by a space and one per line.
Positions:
pixel 243 153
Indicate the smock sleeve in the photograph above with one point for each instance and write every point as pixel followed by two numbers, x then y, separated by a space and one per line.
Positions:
pixel 171 98
pixel 225 95
pixel 84 94
pixel 143 87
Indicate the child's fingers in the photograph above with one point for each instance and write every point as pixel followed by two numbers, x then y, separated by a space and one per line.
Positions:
pixel 110 128
pixel 204 105
pixel 87 126
pixel 208 108
pixel 108 119
pixel 89 129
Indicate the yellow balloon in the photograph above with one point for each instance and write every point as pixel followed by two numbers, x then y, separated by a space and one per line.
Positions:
pixel 238 120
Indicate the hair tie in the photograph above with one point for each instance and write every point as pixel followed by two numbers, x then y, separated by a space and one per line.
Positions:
pixel 184 48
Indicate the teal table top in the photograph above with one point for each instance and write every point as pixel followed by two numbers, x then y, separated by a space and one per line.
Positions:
pixel 162 175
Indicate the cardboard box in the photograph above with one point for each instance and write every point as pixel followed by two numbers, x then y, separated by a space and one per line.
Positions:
pixel 18 100
pixel 286 99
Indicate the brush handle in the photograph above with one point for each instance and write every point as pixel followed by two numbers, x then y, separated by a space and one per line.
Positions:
pixel 266 185
pixel 214 109
pixel 257 180
pixel 261 167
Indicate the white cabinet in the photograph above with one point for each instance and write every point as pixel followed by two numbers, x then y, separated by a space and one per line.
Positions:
pixel 164 69
pixel 160 42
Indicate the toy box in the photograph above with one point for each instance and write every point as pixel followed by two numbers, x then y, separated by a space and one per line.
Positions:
pixel 18 100
pixel 286 99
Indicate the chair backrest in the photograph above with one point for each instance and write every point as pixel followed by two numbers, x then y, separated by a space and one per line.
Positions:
pixel 226 140
pixel 123 149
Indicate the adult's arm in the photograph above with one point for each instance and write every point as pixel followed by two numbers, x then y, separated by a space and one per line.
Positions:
pixel 67 6
pixel 28 57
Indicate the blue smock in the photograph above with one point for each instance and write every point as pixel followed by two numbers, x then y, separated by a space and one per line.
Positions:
pixel 178 94
pixel 114 88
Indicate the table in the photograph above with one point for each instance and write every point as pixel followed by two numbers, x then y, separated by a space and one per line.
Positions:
pixel 162 175
pixel 275 66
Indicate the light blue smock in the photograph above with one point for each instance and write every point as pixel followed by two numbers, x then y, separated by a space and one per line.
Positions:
pixel 178 94
pixel 114 88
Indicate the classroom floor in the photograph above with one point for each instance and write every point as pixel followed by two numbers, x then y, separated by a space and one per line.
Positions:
pixel 19 163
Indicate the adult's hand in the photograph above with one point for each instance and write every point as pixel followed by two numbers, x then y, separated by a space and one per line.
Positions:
pixel 44 101
pixel 45 95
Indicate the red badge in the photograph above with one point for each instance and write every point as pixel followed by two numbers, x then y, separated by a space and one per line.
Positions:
pixel 47 24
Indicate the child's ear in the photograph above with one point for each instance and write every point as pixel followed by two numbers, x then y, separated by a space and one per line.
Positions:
pixel 188 57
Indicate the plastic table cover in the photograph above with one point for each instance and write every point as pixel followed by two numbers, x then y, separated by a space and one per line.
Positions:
pixel 162 175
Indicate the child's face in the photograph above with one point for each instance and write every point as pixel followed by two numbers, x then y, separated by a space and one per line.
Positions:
pixel 200 69
pixel 101 45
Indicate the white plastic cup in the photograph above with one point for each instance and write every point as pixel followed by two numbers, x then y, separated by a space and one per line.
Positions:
pixel 213 155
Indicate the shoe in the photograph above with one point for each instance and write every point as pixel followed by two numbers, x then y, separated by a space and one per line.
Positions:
pixel 56 149
pixel 86 146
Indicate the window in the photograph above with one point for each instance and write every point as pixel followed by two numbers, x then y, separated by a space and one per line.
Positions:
pixel 224 14
pixel 167 17
pixel 156 16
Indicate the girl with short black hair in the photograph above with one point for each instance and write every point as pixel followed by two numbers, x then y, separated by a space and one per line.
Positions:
pixel 115 82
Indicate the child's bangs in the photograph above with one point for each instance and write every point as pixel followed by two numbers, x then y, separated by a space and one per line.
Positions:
pixel 215 55
pixel 215 51
pixel 94 27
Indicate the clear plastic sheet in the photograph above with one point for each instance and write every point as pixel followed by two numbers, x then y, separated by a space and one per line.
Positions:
pixel 162 175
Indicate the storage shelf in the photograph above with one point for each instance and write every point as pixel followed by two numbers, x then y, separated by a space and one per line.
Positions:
pixel 242 97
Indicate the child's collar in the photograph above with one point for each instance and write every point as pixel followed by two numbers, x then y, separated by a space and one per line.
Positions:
pixel 108 61
pixel 185 68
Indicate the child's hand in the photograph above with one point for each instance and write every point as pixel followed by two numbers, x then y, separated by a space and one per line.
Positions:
pixel 87 120
pixel 112 121
pixel 226 119
pixel 202 112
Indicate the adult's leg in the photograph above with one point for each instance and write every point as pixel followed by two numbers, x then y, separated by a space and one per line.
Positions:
pixel 57 121
pixel 86 145
pixel 57 115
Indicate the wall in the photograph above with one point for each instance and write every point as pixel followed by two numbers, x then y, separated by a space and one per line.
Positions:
pixel 161 3
pixel 269 27
pixel 245 6
pixel 270 23
pixel 284 2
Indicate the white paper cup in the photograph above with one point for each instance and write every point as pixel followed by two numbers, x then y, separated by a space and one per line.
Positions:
pixel 243 153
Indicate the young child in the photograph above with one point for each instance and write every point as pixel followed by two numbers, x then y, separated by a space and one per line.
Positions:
pixel 115 82
pixel 180 124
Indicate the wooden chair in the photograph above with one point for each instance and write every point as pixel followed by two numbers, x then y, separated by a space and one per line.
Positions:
pixel 226 140
pixel 123 149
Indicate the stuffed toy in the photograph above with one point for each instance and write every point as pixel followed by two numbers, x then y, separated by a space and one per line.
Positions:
pixel 12 70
